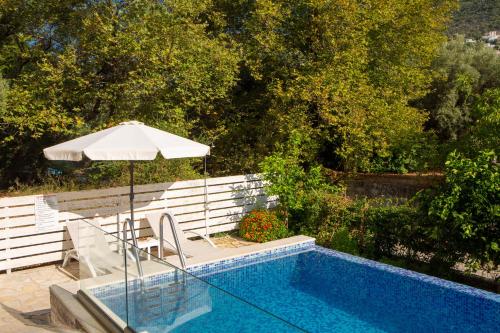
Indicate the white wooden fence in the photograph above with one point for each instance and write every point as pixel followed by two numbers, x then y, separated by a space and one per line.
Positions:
pixel 23 244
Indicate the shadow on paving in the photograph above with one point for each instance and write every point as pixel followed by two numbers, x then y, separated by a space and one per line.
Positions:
pixel 39 319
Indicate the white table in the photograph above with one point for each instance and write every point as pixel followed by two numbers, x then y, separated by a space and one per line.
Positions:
pixel 146 244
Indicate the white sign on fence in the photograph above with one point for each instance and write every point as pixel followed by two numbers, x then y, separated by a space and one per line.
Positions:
pixel 46 212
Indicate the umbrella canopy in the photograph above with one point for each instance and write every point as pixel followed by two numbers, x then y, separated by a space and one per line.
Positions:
pixel 129 141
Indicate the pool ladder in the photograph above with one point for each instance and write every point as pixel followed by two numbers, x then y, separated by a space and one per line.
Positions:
pixel 152 299
pixel 135 251
pixel 163 301
pixel 182 258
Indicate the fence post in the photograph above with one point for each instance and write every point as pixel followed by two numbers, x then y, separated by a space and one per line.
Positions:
pixel 118 245
pixel 7 240
pixel 245 193
pixel 207 210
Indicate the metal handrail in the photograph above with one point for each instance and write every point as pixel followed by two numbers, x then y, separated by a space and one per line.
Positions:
pixel 176 238
pixel 135 247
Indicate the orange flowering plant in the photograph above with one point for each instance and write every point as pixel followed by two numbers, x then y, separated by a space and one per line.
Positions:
pixel 262 225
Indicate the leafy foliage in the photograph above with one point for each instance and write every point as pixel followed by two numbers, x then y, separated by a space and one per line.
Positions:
pixel 416 153
pixel 463 72
pixel 483 134
pixel 79 66
pixel 399 230
pixel 341 73
pixel 340 224
pixel 243 75
pixel 466 210
pixel 262 226
pixel 458 222
pixel 298 188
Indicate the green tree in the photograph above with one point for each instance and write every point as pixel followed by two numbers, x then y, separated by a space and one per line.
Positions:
pixel 242 74
pixel 463 71
pixel 342 72
pixel 465 212
pixel 79 66
pixel 484 132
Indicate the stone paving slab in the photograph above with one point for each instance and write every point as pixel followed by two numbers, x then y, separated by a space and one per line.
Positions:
pixel 24 299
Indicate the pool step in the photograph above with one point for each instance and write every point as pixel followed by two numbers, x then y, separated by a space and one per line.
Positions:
pixel 156 298
pixel 150 303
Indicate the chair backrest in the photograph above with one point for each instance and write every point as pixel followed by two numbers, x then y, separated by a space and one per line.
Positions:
pixel 87 235
pixel 74 234
pixel 154 222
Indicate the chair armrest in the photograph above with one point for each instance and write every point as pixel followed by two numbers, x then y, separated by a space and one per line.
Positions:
pixel 202 236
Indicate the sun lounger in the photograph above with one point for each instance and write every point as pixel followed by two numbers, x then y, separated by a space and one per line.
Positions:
pixel 91 248
pixel 189 248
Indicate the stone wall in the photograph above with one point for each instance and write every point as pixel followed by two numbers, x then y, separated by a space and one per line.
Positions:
pixel 389 185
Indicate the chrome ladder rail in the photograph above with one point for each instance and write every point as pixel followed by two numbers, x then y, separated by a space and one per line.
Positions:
pixel 176 238
pixel 134 241
pixel 156 300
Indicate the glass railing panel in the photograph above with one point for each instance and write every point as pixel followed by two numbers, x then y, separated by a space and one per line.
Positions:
pixel 102 265
pixel 168 299
pixel 165 298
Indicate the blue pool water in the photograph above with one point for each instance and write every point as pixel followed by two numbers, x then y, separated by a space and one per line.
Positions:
pixel 310 289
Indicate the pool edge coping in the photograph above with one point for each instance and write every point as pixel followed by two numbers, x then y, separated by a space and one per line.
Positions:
pixel 459 287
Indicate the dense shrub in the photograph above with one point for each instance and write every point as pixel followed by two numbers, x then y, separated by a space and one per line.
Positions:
pixel 341 220
pixel 458 222
pixel 397 229
pixel 372 228
pixel 300 187
pixel 465 212
pixel 262 226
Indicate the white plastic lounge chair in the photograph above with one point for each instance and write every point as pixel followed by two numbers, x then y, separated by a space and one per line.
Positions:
pixel 189 247
pixel 91 248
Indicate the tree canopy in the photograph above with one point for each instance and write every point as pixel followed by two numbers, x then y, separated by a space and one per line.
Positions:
pixel 341 72
pixel 79 66
pixel 463 71
pixel 239 74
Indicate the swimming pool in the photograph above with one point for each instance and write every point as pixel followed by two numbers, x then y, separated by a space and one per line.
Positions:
pixel 305 288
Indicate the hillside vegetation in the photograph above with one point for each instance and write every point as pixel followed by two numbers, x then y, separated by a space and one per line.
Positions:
pixel 476 17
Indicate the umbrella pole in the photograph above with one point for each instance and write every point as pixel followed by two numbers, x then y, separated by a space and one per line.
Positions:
pixel 206 196
pixel 131 195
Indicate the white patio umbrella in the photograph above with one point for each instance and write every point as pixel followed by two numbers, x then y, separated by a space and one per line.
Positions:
pixel 129 141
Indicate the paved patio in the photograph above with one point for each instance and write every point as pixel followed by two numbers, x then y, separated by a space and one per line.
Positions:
pixel 24 294
pixel 24 299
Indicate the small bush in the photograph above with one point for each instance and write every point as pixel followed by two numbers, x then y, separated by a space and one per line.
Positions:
pixel 345 241
pixel 397 228
pixel 343 225
pixel 262 226
pixel 299 185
